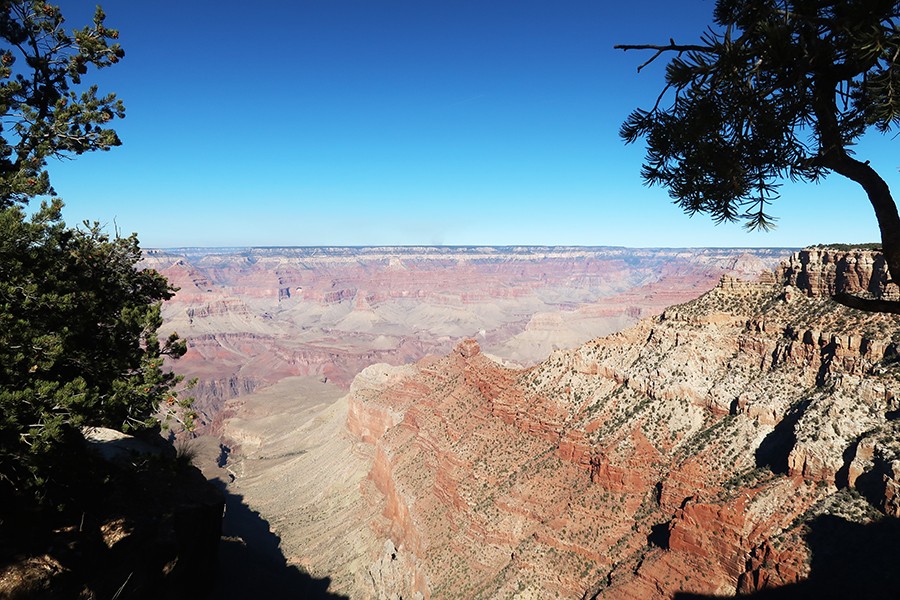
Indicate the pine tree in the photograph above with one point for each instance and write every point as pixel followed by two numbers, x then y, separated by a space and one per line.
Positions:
pixel 776 89
pixel 78 319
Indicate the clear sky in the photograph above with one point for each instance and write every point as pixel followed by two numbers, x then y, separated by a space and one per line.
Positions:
pixel 369 122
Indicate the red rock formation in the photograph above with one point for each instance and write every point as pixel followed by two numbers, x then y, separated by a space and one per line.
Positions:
pixel 822 272
pixel 684 454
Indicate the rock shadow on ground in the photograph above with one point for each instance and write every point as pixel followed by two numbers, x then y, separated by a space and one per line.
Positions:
pixel 251 564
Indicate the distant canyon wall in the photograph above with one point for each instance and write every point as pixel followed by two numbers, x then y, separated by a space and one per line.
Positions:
pixel 252 317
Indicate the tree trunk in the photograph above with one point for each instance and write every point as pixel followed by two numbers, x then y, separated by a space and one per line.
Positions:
pixel 880 196
pixel 867 304
pixel 833 155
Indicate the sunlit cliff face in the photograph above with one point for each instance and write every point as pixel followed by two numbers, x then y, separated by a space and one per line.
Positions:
pixel 709 449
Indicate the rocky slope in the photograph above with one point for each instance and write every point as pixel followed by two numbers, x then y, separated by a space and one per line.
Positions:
pixel 698 451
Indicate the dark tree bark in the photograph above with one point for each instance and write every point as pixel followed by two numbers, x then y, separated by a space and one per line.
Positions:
pixel 867 304
pixel 882 202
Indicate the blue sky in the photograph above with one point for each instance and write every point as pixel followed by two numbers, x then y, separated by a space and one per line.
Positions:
pixel 369 122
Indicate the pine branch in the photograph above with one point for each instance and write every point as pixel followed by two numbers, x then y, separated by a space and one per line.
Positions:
pixel 671 47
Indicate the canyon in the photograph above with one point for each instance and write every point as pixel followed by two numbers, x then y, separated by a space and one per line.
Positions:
pixel 732 443
pixel 255 316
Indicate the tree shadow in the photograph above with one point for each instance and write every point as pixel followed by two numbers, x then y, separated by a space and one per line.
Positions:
pixel 849 560
pixel 251 564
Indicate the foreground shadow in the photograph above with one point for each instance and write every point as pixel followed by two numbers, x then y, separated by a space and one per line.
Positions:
pixel 251 564
pixel 849 560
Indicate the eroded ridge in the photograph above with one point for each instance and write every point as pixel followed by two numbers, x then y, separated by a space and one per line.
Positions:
pixel 693 452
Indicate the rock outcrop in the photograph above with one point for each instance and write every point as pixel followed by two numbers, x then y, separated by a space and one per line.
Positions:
pixel 824 271
pixel 693 452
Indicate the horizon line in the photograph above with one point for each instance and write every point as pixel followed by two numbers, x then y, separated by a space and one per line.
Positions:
pixel 475 246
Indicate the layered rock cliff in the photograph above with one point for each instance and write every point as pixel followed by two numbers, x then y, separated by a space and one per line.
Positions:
pixel 824 271
pixel 738 442
pixel 253 317
pixel 693 452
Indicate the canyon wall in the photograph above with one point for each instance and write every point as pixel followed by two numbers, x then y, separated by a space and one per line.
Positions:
pixel 698 451
pixel 824 271
pixel 254 316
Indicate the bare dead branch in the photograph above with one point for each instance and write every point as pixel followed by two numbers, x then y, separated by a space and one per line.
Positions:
pixel 671 47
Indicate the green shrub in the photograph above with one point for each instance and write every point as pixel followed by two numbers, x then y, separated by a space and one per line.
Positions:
pixel 78 342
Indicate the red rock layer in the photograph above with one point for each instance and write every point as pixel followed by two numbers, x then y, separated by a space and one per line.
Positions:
pixel 822 272
pixel 685 454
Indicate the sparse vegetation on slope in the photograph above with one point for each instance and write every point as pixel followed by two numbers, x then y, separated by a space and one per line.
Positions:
pixel 670 457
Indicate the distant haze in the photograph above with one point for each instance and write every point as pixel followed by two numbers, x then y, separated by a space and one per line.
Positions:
pixel 255 316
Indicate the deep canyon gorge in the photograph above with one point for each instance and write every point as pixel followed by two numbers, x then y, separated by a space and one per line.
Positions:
pixel 448 423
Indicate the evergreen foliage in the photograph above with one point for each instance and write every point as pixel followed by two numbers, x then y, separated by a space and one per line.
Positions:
pixel 46 110
pixel 775 89
pixel 78 320
pixel 78 342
